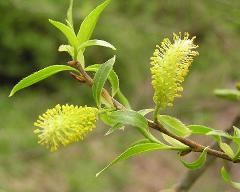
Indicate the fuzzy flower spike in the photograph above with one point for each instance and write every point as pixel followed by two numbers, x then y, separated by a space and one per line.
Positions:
pixel 169 66
pixel 64 125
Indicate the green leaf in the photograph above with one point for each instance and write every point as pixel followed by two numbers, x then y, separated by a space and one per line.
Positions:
pixel 96 42
pixel 219 133
pixel 174 125
pixel 198 163
pixel 67 48
pixel 100 79
pixel 88 25
pixel 113 78
pixel 141 141
pixel 230 94
pixel 199 129
pixel 69 14
pixel 67 31
pixel 226 177
pixel 114 81
pixel 135 119
pixel 144 112
pixel 237 154
pixel 106 118
pixel 236 137
pixel 80 58
pixel 227 149
pixel 40 75
pixel 236 131
pixel 174 142
pixel 123 99
pixel 114 128
pixel 135 150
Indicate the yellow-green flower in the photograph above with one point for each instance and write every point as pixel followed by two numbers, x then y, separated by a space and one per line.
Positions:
pixel 170 63
pixel 64 125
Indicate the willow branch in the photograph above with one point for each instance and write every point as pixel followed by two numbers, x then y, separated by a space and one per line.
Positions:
pixel 195 147
pixel 191 177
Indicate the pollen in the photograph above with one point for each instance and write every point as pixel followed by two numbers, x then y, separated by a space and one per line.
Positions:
pixel 64 125
pixel 169 65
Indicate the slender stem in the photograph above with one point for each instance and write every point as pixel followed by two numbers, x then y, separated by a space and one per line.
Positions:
pixel 195 147
pixel 155 114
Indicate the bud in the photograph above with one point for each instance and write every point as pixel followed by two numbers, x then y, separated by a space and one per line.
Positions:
pixel 169 66
pixel 64 125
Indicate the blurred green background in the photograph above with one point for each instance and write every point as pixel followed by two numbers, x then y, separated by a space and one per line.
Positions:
pixel 28 42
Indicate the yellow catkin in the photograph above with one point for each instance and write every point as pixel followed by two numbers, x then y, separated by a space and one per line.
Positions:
pixel 64 125
pixel 169 66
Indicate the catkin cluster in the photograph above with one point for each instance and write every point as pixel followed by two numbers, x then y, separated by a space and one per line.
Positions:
pixel 169 66
pixel 64 125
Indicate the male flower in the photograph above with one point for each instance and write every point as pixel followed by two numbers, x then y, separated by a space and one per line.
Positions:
pixel 170 63
pixel 64 125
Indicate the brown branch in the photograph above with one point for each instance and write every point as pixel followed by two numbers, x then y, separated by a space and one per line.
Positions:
pixel 191 176
pixel 195 147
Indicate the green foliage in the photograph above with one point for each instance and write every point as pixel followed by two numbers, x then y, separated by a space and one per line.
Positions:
pixel 39 76
pixel 226 177
pixel 89 23
pixel 135 150
pixel 198 163
pixel 67 31
pixel 174 125
pixel 229 94
pixel 227 149
pixel 70 14
pixel 144 112
pixel 100 79
pixel 174 142
pixel 112 77
pixel 96 42
pixel 135 119
pixel 199 129
pixel 123 99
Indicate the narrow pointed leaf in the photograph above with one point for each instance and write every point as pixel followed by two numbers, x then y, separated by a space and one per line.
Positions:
pixel 100 79
pixel 114 81
pixel 229 94
pixel 123 99
pixel 135 150
pixel 113 78
pixel 144 112
pixel 96 42
pixel 236 137
pixel 226 177
pixel 219 133
pixel 174 142
pixel 141 141
pixel 174 125
pixel 115 127
pixel 135 119
pixel 227 149
pixel 198 163
pixel 67 31
pixel 88 25
pixel 40 75
pixel 67 48
pixel 70 14
pixel 80 58
pixel 199 129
